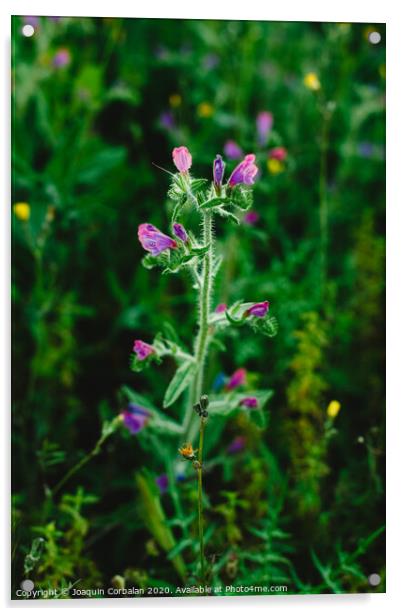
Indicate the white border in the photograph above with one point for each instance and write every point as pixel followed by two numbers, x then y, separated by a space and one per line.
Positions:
pixel 284 10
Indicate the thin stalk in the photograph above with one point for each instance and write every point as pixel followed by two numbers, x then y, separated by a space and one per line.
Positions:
pixel 200 510
pixel 94 452
pixel 323 200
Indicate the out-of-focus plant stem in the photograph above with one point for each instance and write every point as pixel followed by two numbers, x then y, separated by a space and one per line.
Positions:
pixel 323 197
pixel 200 509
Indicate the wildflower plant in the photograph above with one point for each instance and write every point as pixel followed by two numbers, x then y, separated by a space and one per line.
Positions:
pixel 182 250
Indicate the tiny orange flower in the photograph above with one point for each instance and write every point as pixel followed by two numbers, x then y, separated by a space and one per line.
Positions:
pixel 187 451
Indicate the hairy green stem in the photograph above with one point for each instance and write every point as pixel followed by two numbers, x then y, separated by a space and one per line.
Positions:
pixel 201 343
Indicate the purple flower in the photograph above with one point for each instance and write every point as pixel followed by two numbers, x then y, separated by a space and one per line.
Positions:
pixel 279 153
pixel 210 61
pixel 162 482
pixel 180 232
pixel 245 171
pixel 237 445
pixel 182 158
pixel 365 149
pixel 135 417
pixel 61 58
pixel 250 403
pixel 232 150
pixel 221 308
pixel 167 120
pixel 142 349
pixel 219 170
pixel 258 310
pixel 264 125
pixel 31 20
pixel 238 378
pixel 251 218
pixel 153 240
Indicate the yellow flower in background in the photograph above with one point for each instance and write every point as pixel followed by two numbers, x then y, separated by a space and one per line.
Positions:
pixel 275 166
pixel 344 27
pixel 22 211
pixel 175 100
pixel 333 409
pixel 367 31
pixel 312 82
pixel 205 110
pixel 382 71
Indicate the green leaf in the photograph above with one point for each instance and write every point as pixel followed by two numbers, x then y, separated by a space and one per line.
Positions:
pixel 179 382
pixel 214 202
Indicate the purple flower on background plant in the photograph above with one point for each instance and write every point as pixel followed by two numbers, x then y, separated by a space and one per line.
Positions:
pixel 142 349
pixel 182 158
pixel 61 58
pixel 365 149
pixel 55 19
pixel 279 153
pixel 180 232
pixel 257 310
pixel 135 417
pixel 232 150
pixel 221 308
pixel 167 120
pixel 210 61
pixel 264 124
pixel 245 171
pixel 31 20
pixel 219 170
pixel 238 378
pixel 219 381
pixel 162 482
pixel 249 403
pixel 251 218
pixel 237 445
pixel 153 240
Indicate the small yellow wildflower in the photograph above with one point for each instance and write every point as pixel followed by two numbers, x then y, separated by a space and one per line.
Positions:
pixel 367 31
pixel 175 100
pixel 205 110
pixel 22 211
pixel 333 409
pixel 312 82
pixel 275 166
pixel 187 451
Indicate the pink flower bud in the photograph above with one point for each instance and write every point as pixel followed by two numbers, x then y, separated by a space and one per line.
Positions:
pixel 182 159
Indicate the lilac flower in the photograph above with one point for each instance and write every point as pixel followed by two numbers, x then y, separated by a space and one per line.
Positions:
pixel 221 308
pixel 135 417
pixel 153 240
pixel 279 153
pixel 182 158
pixel 365 149
pixel 142 349
pixel 61 58
pixel 258 310
pixel 237 445
pixel 167 120
pixel 31 20
pixel 180 232
pixel 264 125
pixel 251 218
pixel 249 403
pixel 245 171
pixel 232 150
pixel 162 482
pixel 219 170
pixel 210 61
pixel 238 378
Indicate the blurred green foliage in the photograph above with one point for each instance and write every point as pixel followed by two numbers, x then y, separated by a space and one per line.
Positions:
pixel 97 101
